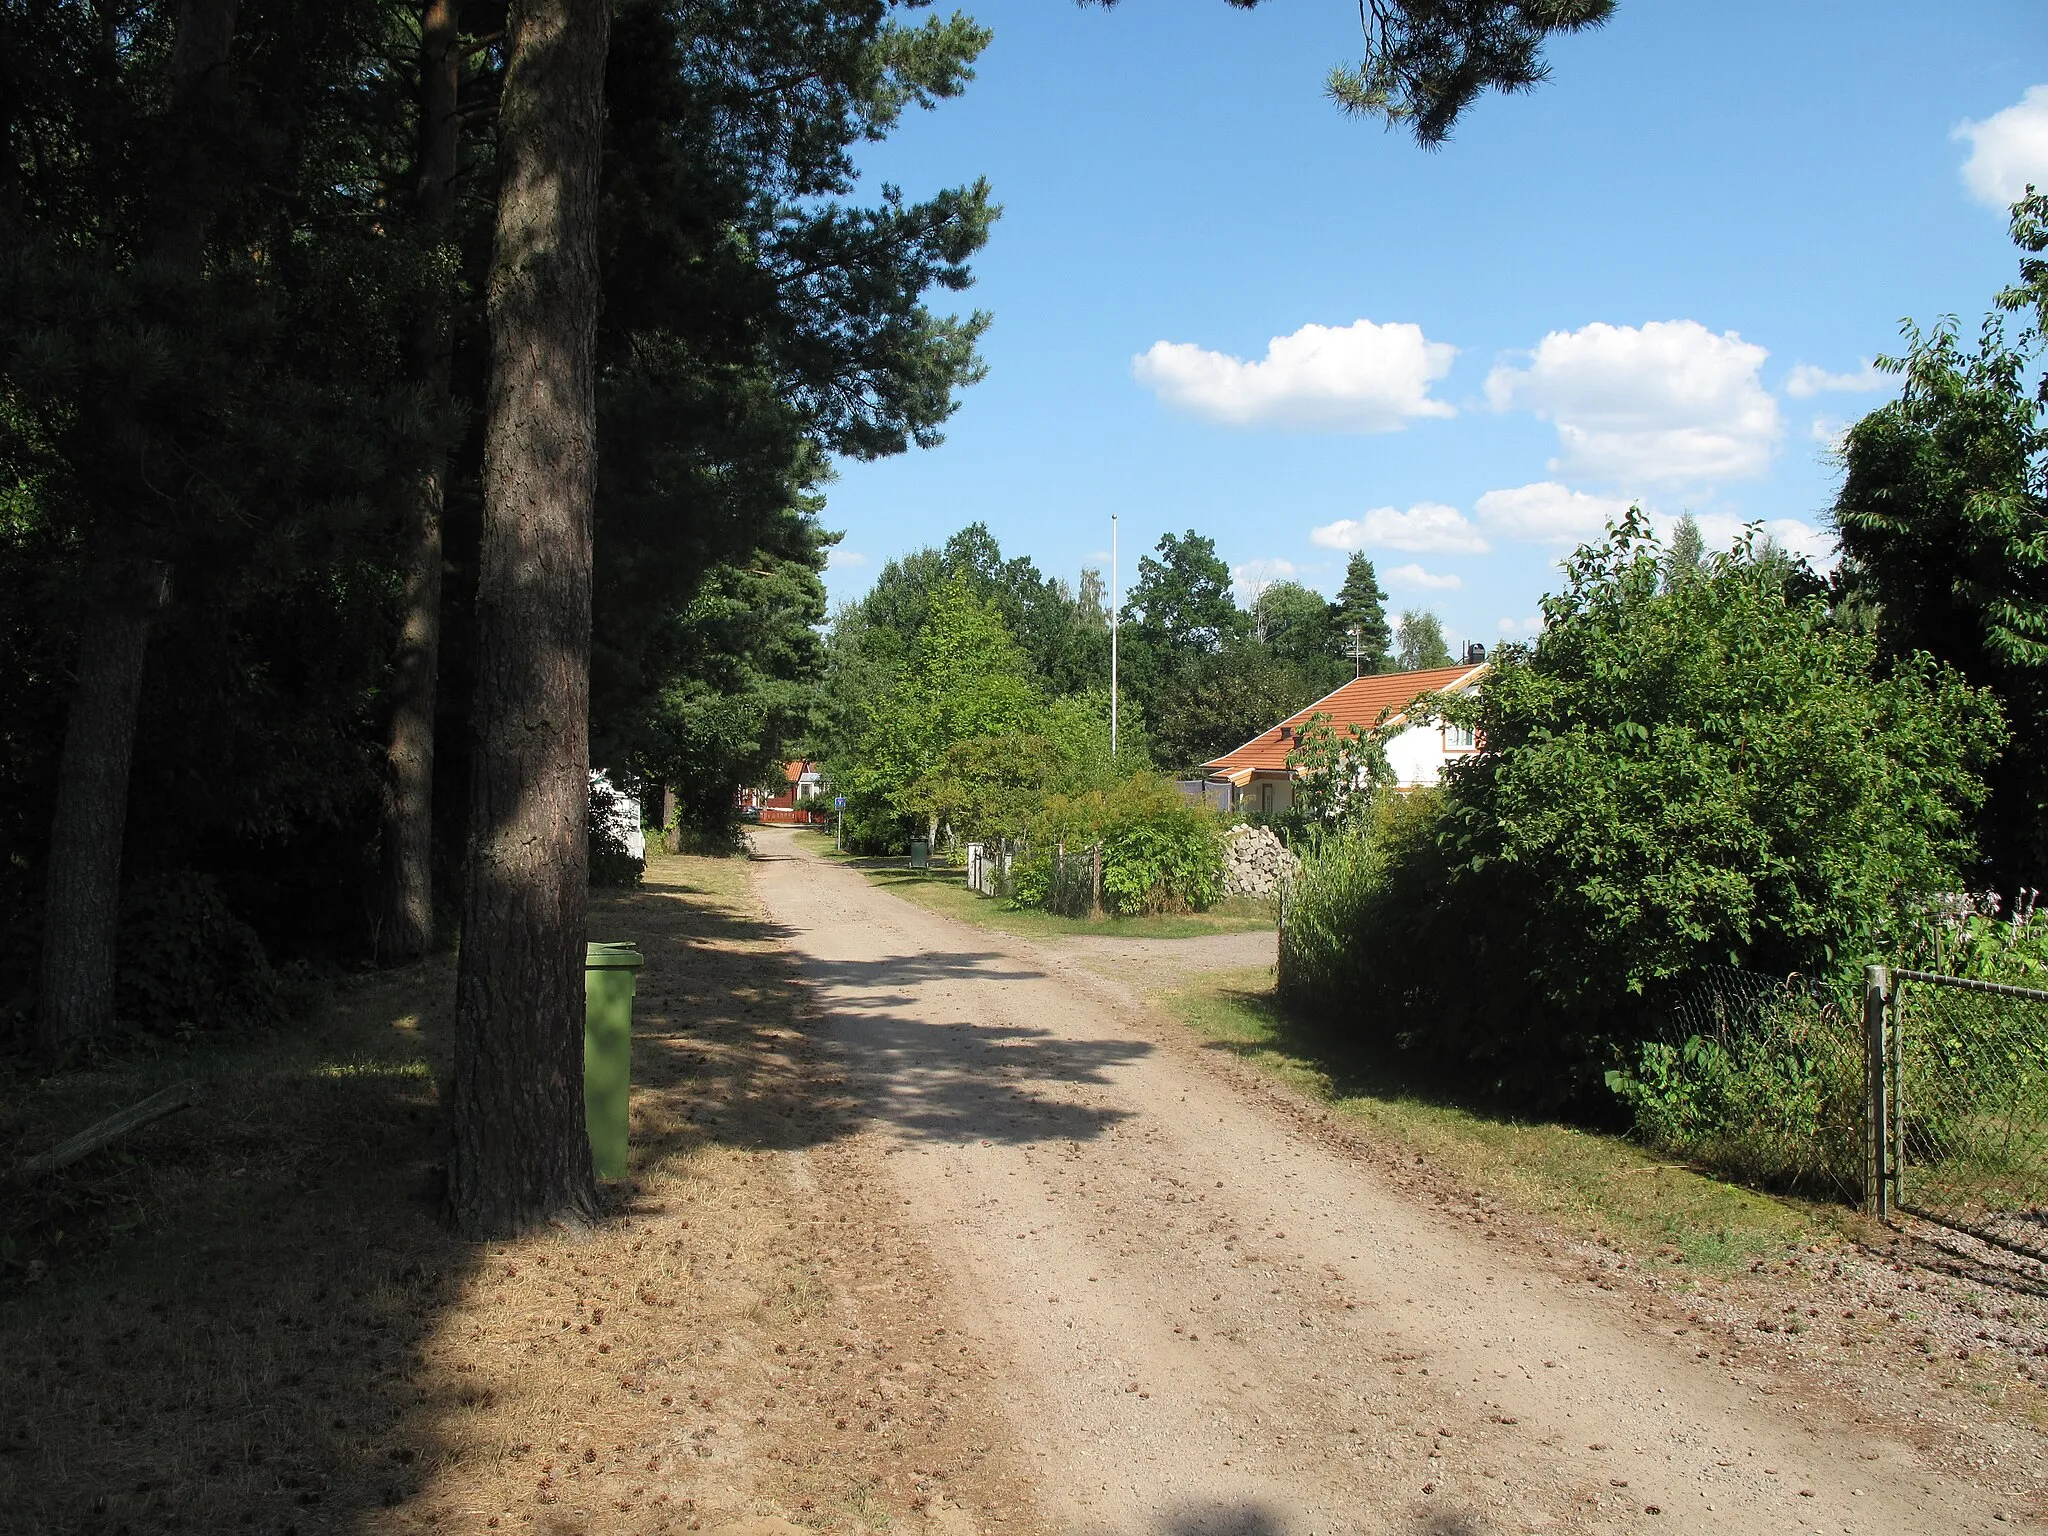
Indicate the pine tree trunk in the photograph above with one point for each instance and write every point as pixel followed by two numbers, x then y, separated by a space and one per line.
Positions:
pixel 519 1156
pixel 405 918
pixel 124 589
pixel 82 902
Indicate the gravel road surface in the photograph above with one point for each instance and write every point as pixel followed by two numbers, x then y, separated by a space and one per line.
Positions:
pixel 1213 1321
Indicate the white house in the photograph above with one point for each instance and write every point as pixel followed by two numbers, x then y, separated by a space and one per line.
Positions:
pixel 1257 773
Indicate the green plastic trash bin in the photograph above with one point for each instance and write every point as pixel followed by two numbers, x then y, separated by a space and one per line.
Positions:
pixel 608 978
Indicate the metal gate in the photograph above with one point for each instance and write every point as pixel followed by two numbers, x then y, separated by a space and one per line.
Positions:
pixel 1956 1125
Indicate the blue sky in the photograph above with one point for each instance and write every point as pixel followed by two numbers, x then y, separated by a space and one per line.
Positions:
pixel 1221 305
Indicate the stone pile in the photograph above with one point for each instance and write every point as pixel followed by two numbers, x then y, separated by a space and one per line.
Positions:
pixel 1254 862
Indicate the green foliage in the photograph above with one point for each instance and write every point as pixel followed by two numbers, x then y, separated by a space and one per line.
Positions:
pixel 1077 731
pixel 1778 1103
pixel 1161 853
pixel 1427 61
pixel 983 787
pixel 611 813
pixel 1296 626
pixel 261 420
pixel 1178 611
pixel 1359 617
pixel 187 964
pixel 1420 643
pixel 1708 773
pixel 1943 518
pixel 1337 779
pixel 1219 700
pixel 964 680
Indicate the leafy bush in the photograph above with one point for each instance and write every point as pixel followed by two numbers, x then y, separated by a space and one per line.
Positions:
pixel 1340 893
pixel 1685 772
pixel 187 964
pixel 613 817
pixel 1160 851
pixel 1773 1097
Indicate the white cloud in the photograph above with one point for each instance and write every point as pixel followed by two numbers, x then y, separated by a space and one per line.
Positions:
pixel 2008 150
pixel 1720 530
pixel 1547 513
pixel 1427 528
pixel 1667 401
pixel 1416 576
pixel 1828 432
pixel 1533 625
pixel 845 560
pixel 1805 381
pixel 1357 378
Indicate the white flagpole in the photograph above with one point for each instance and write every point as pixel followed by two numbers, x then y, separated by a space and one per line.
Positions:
pixel 1112 636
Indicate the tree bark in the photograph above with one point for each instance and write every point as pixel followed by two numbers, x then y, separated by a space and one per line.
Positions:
pixel 519 1156
pixel 82 898
pixel 124 589
pixel 405 918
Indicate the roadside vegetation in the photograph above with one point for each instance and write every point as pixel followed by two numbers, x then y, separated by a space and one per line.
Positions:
pixel 943 891
pixel 1713 772
pixel 1590 1183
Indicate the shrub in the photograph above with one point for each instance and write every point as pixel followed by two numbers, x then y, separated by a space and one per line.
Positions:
pixel 1686 772
pixel 188 964
pixel 1161 852
pixel 613 824
pixel 1771 1093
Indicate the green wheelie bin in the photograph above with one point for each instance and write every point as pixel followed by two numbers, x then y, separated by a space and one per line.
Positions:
pixel 608 981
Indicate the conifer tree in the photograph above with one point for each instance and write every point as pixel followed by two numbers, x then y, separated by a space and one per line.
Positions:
pixel 1360 615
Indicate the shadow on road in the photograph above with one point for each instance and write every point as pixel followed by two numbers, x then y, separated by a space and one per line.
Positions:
pixel 956 1077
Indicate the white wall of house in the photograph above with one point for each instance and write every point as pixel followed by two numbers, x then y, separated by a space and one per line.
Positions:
pixel 1417 756
pixel 1268 797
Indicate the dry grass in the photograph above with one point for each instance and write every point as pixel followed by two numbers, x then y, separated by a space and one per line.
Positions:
pixel 251 1318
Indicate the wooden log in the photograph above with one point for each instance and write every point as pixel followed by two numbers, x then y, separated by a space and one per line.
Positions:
pixel 174 1098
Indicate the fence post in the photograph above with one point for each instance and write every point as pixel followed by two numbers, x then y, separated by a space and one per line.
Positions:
pixel 1095 887
pixel 1876 1193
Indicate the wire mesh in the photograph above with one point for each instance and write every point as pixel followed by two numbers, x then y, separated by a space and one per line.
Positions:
pixel 1758 1077
pixel 1969 1107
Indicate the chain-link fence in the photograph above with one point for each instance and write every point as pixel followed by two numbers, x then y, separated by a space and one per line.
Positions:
pixel 1757 1077
pixel 1964 1105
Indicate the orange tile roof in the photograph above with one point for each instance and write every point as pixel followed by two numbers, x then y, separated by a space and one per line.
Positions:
pixel 1359 702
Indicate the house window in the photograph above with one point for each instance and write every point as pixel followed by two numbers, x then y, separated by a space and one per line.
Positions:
pixel 1459 738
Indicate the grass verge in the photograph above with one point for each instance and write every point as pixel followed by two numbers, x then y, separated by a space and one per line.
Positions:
pixel 1587 1183
pixel 944 891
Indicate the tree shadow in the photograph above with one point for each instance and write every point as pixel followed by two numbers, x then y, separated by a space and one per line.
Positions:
pixel 961 1079
pixel 242 1344
pixel 1216 1517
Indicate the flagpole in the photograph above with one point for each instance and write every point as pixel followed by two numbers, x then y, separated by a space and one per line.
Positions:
pixel 1112 636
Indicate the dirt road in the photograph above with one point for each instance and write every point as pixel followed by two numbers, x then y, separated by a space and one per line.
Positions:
pixel 1215 1322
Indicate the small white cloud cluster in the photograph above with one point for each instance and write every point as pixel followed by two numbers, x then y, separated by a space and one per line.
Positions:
pixel 1805 381
pixel 1356 378
pixel 1665 402
pixel 2008 151
pixel 1427 528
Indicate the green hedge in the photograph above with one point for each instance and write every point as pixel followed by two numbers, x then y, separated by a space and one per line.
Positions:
pixel 1160 851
